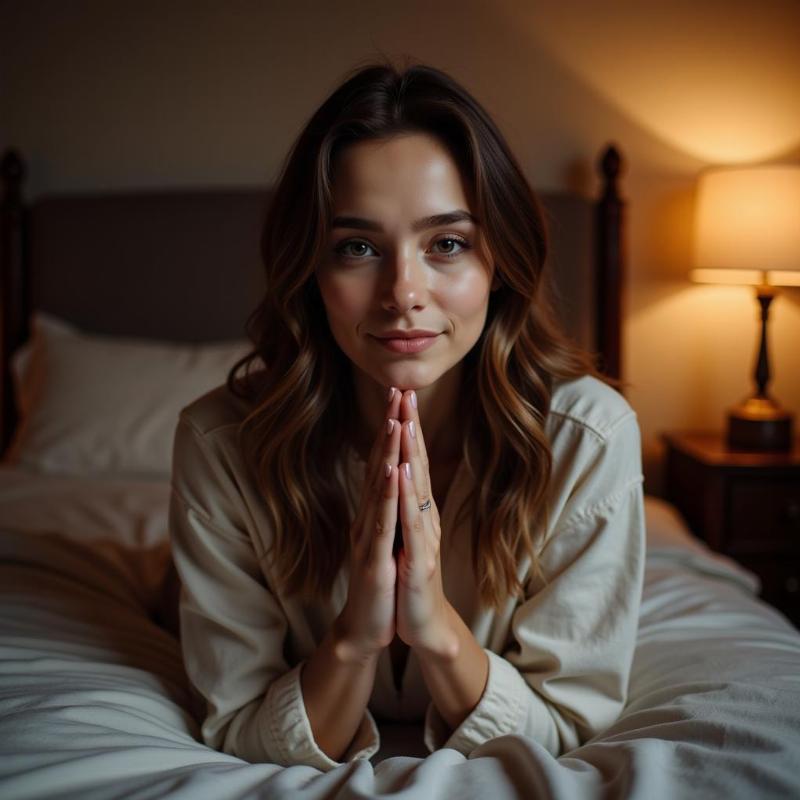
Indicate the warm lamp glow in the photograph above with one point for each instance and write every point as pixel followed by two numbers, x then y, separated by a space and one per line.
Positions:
pixel 748 218
pixel 748 231
pixel 686 88
pixel 749 277
pixel 752 277
pixel 783 278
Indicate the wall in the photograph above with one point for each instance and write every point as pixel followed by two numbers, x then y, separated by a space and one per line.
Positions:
pixel 154 93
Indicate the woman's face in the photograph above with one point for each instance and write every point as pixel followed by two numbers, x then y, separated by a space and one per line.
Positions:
pixel 387 266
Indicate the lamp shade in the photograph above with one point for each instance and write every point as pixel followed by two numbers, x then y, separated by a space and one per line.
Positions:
pixel 748 218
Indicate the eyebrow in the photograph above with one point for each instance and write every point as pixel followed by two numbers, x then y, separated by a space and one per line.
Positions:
pixel 434 221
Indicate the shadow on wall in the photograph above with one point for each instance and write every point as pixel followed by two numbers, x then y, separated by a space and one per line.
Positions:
pixel 668 66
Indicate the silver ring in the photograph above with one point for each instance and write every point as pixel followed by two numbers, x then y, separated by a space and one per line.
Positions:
pixel 426 505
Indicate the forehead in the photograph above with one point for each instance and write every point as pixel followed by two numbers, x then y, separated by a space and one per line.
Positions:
pixel 416 167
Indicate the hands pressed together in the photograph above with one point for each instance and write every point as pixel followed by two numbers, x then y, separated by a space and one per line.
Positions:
pixel 402 595
pixel 392 596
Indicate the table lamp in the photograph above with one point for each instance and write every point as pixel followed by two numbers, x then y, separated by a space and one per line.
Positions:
pixel 747 231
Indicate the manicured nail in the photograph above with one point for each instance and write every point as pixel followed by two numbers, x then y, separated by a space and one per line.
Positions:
pixel 407 468
pixel 390 427
pixel 387 469
pixel 391 393
pixel 414 399
pixel 411 429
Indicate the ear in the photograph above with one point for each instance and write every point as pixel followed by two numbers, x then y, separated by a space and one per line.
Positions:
pixel 496 282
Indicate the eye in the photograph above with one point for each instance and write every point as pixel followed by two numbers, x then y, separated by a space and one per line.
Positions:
pixel 360 249
pixel 341 249
pixel 450 240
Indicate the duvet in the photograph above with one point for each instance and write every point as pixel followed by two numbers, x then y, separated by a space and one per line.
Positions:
pixel 94 702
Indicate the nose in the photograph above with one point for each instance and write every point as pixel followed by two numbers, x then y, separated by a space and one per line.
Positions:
pixel 406 278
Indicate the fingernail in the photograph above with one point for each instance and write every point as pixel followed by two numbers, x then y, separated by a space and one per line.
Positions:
pixel 391 393
pixel 407 468
pixel 414 399
pixel 387 469
pixel 411 429
pixel 390 427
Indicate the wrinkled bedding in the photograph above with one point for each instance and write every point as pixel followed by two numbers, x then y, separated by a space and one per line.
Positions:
pixel 94 702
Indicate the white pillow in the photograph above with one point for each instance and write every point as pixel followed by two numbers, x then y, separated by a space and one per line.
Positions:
pixel 93 404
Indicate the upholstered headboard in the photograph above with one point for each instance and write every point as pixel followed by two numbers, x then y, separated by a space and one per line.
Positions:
pixel 182 265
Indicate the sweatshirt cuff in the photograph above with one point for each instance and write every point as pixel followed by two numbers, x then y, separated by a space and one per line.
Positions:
pixel 502 710
pixel 289 729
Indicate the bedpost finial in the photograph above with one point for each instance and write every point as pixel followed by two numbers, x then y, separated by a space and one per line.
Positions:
pixel 12 167
pixel 611 163
pixel 610 168
pixel 12 171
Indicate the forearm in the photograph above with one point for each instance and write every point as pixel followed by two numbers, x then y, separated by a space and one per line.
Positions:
pixel 337 683
pixel 456 676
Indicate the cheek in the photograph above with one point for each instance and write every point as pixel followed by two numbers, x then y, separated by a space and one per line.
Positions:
pixel 466 299
pixel 344 299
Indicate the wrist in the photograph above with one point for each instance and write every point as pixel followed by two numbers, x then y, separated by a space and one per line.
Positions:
pixel 348 649
pixel 442 649
pixel 442 643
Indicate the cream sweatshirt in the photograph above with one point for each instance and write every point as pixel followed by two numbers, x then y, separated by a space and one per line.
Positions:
pixel 559 659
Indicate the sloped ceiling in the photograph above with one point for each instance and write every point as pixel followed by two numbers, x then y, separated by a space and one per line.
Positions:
pixel 718 80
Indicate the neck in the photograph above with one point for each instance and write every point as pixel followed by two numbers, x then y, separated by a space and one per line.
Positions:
pixel 438 408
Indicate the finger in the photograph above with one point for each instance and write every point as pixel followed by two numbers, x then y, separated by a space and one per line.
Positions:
pixel 374 489
pixel 411 517
pixel 410 413
pixel 422 481
pixel 374 466
pixel 415 452
pixel 393 430
pixel 386 521
pixel 419 472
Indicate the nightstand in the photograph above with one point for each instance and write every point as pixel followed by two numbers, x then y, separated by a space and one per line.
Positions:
pixel 743 504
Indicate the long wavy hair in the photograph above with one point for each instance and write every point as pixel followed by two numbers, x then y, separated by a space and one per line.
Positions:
pixel 299 383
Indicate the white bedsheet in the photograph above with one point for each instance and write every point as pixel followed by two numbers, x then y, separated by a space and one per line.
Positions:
pixel 94 702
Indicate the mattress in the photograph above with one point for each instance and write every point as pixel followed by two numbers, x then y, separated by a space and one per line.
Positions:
pixel 94 702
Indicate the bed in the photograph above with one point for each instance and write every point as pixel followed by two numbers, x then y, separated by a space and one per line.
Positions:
pixel 101 346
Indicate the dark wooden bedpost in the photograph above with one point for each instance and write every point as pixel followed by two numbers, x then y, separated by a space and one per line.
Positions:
pixel 610 265
pixel 13 284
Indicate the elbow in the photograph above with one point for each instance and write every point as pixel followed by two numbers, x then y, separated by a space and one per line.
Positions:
pixel 237 734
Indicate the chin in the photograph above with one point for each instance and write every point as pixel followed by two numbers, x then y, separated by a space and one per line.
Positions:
pixel 405 376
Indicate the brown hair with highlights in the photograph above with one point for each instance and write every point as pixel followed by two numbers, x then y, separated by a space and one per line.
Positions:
pixel 299 383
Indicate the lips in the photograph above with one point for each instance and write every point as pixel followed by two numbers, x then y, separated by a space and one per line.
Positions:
pixel 410 333
pixel 408 345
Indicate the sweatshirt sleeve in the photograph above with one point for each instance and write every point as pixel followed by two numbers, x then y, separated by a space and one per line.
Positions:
pixel 233 627
pixel 563 677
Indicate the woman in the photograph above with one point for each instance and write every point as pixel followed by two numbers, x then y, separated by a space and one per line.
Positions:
pixel 405 361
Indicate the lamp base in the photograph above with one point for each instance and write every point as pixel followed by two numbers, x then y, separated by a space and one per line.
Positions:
pixel 759 424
